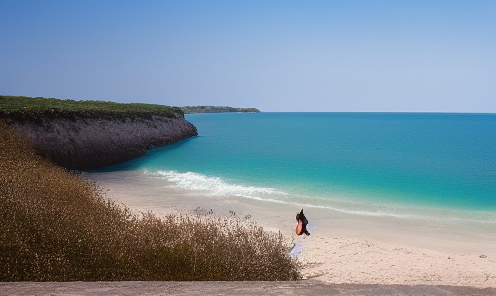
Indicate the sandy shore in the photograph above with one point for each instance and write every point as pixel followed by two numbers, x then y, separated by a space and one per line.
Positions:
pixel 342 248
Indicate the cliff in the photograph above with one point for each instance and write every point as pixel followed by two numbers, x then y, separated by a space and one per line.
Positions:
pixel 216 109
pixel 78 140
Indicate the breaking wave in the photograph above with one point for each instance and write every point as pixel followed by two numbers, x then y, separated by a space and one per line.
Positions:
pixel 216 186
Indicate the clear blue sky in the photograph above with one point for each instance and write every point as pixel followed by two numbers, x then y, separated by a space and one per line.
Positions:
pixel 392 56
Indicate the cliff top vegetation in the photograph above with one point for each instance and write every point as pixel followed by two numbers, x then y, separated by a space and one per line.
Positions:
pixel 20 105
pixel 216 109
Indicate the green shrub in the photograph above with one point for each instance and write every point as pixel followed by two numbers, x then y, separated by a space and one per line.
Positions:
pixel 15 105
pixel 56 226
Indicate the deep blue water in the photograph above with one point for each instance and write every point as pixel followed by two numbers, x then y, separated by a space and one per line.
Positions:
pixel 395 163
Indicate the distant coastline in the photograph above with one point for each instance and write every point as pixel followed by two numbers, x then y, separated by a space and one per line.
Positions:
pixel 216 109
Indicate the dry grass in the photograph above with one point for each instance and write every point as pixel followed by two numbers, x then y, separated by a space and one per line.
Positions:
pixel 54 226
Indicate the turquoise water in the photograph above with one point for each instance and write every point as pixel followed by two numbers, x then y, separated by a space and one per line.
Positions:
pixel 375 163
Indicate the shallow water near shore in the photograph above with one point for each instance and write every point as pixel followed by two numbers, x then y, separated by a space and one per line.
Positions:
pixel 427 167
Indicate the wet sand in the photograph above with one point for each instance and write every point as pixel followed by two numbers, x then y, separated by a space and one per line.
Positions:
pixel 342 249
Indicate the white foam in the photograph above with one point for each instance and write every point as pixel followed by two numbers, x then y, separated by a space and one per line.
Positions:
pixel 217 186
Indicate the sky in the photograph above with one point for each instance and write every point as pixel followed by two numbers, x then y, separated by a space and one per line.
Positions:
pixel 277 56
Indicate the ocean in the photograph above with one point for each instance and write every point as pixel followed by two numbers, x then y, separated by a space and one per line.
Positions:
pixel 400 165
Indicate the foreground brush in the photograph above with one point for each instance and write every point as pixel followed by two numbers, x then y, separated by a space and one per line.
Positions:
pixel 56 226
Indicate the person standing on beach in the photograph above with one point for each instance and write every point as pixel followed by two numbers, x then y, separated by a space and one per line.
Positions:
pixel 302 224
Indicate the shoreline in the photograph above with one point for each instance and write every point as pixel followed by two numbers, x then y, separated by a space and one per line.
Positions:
pixel 342 248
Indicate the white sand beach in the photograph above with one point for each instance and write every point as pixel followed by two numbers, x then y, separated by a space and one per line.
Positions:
pixel 342 248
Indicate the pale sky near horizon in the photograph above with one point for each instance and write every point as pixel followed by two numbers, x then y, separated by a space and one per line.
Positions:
pixel 343 56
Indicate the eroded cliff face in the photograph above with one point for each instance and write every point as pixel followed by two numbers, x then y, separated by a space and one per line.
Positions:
pixel 79 142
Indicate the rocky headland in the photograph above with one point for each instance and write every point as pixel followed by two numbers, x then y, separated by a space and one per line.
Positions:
pixel 217 109
pixel 78 140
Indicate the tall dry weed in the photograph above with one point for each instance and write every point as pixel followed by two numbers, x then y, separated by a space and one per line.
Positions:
pixel 55 226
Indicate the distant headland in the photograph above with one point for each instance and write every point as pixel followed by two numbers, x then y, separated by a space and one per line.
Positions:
pixel 216 109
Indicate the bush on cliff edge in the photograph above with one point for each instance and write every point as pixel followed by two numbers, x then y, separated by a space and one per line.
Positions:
pixel 55 226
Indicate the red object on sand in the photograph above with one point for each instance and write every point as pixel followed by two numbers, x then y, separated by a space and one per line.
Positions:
pixel 299 228
pixel 302 224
